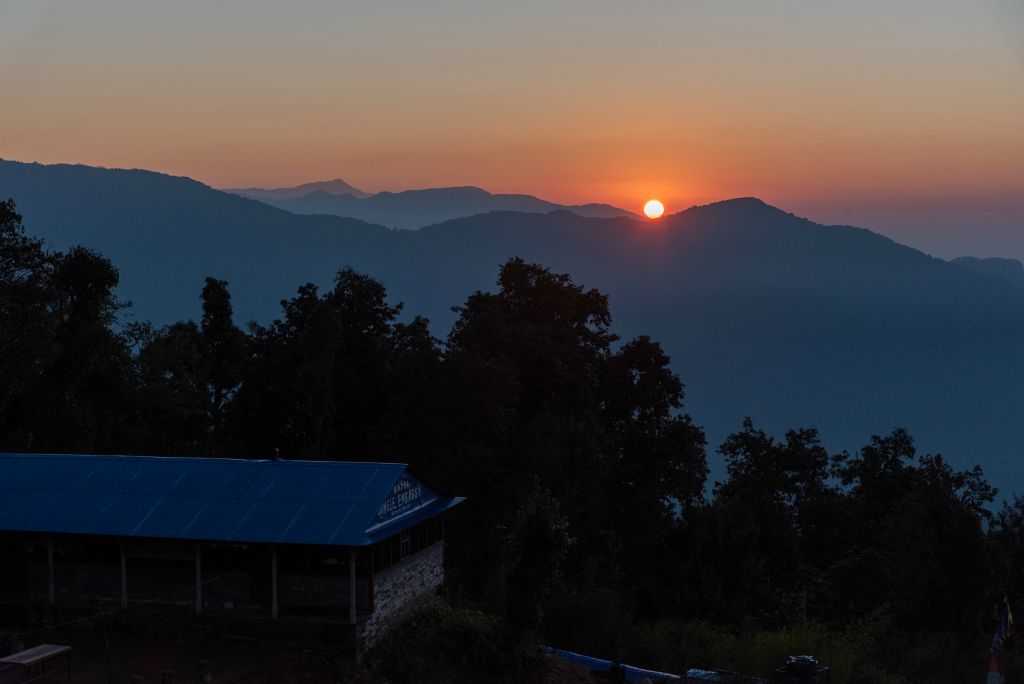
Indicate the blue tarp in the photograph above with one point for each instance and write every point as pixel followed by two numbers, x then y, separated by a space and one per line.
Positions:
pixel 330 503
pixel 633 674
pixel 698 675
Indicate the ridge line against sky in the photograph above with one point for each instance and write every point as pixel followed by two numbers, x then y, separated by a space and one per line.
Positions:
pixel 908 241
pixel 900 116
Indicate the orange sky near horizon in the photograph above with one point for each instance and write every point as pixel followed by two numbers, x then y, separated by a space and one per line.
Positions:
pixel 803 104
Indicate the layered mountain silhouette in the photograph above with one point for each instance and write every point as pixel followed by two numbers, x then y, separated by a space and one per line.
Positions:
pixel 764 314
pixel 1009 270
pixel 333 187
pixel 413 209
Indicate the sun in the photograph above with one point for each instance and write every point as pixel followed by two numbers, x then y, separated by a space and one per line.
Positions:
pixel 654 209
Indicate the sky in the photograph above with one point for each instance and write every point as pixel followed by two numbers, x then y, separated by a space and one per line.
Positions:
pixel 903 116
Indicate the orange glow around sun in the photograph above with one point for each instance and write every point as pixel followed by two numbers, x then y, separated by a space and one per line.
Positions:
pixel 654 209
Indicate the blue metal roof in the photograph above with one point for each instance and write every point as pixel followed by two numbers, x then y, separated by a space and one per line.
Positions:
pixel 335 503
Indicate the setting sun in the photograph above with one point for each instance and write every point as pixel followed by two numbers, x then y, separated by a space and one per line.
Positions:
pixel 654 209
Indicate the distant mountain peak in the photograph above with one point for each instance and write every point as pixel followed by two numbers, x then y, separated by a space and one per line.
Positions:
pixel 741 204
pixel 450 191
pixel 750 201
pixel 1008 270
pixel 738 209
pixel 413 209
pixel 336 186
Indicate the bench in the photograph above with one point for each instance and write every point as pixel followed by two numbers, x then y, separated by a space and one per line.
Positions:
pixel 34 659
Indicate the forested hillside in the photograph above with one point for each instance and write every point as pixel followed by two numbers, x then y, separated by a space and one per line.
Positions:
pixel 589 523
pixel 763 313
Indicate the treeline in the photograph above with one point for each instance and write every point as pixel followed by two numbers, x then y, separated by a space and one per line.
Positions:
pixel 588 524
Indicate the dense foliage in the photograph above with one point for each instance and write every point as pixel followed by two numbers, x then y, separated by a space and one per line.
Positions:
pixel 589 523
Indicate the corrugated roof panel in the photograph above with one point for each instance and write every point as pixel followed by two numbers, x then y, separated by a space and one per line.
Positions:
pixel 303 528
pixel 189 478
pixel 69 506
pixel 271 483
pixel 362 511
pixel 105 476
pixel 226 480
pixel 288 502
pixel 140 477
pixel 139 513
pixel 243 511
pixel 378 488
pixel 64 478
pixel 353 489
pixel 190 513
pixel 96 475
pixel 20 507
pixel 219 519
pixel 10 502
pixel 123 517
pixel 21 475
pixel 268 520
pixel 162 518
pixel 331 516
pixel 89 517
pixel 325 484
pixel 124 478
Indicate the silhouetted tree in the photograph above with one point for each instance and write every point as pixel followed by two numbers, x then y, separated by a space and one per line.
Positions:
pixel 225 348
pixel 26 326
pixel 1007 537
pixel 172 395
pixel 537 549
pixel 918 544
pixel 65 371
pixel 541 396
pixel 752 535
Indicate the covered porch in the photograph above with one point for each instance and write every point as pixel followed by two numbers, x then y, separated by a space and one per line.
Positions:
pixel 272 580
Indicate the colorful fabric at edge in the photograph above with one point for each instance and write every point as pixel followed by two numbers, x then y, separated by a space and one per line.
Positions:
pixel 995 661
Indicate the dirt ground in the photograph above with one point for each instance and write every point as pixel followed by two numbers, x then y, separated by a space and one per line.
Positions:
pixel 136 659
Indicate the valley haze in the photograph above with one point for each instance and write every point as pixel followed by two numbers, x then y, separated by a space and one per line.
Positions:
pixel 410 209
pixel 763 313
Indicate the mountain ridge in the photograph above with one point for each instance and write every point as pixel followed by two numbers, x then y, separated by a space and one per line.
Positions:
pixel 764 314
pixel 414 209
pixel 1007 270
pixel 335 186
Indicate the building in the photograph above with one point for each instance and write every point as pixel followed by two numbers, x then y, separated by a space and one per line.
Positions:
pixel 360 543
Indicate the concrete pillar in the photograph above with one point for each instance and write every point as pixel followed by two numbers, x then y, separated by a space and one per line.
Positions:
pixel 352 585
pixel 199 579
pixel 273 583
pixel 52 595
pixel 124 576
pixel 371 592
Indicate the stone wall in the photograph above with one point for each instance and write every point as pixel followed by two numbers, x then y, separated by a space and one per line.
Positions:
pixel 402 589
pixel 322 590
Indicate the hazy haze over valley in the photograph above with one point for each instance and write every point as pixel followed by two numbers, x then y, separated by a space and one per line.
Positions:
pixel 764 314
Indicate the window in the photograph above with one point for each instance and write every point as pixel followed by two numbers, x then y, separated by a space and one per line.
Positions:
pixel 406 543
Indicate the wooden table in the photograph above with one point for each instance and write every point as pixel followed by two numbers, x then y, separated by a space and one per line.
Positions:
pixel 34 659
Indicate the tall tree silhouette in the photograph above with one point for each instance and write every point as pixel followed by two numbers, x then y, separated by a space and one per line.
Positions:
pixel 225 353
pixel 26 327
